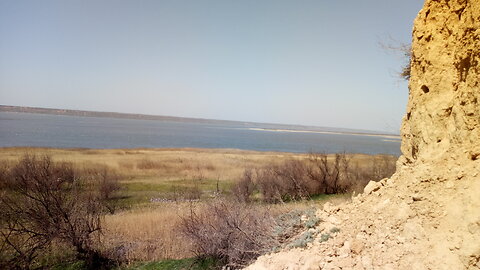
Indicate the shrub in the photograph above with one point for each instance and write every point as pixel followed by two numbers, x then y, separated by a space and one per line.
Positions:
pixel 324 237
pixel 334 176
pixel 104 181
pixel 334 230
pixel 285 182
pixel 405 51
pixel 232 233
pixel 302 240
pixel 319 174
pixel 44 202
pixel 244 188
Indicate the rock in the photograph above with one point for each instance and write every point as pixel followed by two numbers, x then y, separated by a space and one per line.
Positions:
pixel 345 250
pixel 417 198
pixel 330 208
pixel 367 262
pixel 357 246
pixel 372 186
pixel 327 207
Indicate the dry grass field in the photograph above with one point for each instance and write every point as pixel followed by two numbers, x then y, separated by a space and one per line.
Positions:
pixel 160 186
pixel 153 165
pixel 152 233
pixel 149 174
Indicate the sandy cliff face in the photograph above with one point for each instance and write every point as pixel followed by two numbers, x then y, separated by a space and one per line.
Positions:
pixel 443 114
pixel 427 216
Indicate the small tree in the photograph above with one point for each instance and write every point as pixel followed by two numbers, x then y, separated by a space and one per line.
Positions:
pixel 44 202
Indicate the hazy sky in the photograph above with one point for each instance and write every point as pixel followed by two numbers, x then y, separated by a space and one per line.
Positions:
pixel 294 62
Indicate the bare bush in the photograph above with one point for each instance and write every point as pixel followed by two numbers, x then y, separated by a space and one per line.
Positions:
pixel 405 50
pixel 244 188
pixel 233 233
pixel 103 181
pixel 268 185
pixel 318 174
pixel 376 168
pixel 43 202
pixel 334 176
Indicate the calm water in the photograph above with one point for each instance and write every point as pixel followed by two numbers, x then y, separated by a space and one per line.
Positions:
pixel 24 129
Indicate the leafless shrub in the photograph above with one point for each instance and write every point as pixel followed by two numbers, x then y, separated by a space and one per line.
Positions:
pixel 233 233
pixel 244 188
pixel 102 180
pixel 43 202
pixel 333 176
pixel 376 168
pixel 268 185
pixel 406 52
pixel 319 174
pixel 295 183
pixel 300 179
pixel 285 182
pixel 107 185
pixel 4 168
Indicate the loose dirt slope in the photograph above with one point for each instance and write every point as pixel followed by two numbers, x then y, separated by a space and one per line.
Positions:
pixel 427 216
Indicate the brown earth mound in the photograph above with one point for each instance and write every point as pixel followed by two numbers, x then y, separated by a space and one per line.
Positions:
pixel 427 216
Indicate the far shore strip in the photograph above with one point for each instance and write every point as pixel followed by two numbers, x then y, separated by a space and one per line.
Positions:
pixel 328 132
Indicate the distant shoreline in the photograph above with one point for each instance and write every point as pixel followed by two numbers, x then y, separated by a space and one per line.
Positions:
pixel 250 125
pixel 158 150
pixel 330 132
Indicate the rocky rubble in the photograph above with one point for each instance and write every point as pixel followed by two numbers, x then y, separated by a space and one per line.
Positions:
pixel 427 215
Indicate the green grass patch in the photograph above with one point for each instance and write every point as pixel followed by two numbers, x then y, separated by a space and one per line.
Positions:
pixel 183 264
pixel 166 186
pixel 325 197
pixel 141 191
pixel 78 265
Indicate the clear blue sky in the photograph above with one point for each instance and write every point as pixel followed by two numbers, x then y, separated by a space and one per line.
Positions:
pixel 294 62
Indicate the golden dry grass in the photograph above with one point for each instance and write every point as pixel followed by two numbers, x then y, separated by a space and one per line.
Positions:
pixel 150 174
pixel 152 233
pixel 148 234
pixel 165 163
pixel 185 163
pixel 148 231
pixel 156 173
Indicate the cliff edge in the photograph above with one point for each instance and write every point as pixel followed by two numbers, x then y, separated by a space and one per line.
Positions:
pixel 427 215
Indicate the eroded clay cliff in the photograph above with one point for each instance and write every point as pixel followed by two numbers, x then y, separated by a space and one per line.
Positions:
pixel 443 113
pixel 427 215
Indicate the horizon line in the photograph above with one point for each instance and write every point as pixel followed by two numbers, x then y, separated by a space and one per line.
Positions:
pixel 141 116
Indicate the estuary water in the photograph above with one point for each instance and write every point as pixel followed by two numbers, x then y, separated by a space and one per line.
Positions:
pixel 44 130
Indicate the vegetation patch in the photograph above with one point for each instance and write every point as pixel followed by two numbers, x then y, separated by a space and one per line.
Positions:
pixel 183 264
pixel 303 240
pixel 153 205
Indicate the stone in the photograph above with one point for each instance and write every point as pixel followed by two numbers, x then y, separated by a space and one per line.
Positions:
pixel 367 262
pixel 371 187
pixel 357 246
